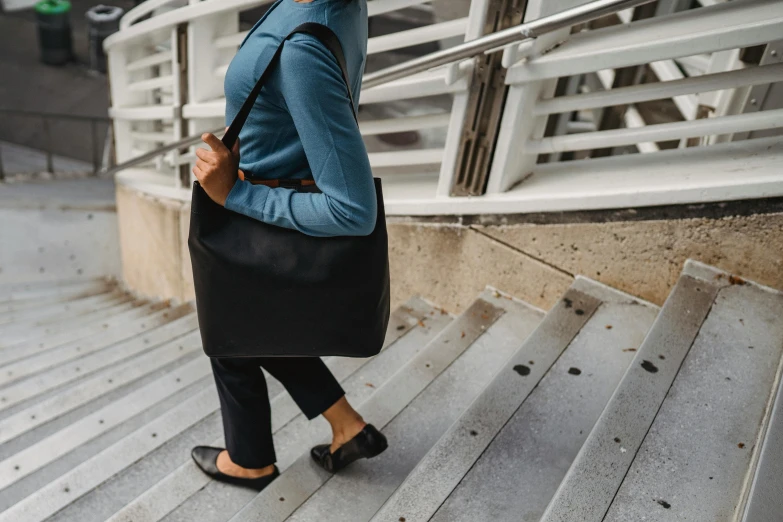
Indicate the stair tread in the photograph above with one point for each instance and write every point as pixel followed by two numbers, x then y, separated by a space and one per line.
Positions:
pixel 53 311
pixel 20 305
pixel 697 471
pixel 51 380
pixel 496 459
pixel 502 413
pixel 601 466
pixel 42 294
pixel 24 338
pixel 117 330
pixel 7 288
pixel 632 407
pixel 97 385
pixel 413 409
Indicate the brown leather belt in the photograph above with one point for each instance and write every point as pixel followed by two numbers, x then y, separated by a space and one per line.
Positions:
pixel 274 183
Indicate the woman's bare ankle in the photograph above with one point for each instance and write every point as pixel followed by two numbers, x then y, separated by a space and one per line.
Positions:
pixel 346 432
pixel 226 466
pixel 345 421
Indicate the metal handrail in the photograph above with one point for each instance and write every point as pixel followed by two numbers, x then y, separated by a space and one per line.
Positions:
pixel 184 142
pixel 45 117
pixel 486 44
pixel 496 41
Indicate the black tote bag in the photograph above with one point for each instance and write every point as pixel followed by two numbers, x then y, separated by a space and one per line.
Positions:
pixel 264 290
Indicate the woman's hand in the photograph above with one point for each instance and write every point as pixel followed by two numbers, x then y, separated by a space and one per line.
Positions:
pixel 217 169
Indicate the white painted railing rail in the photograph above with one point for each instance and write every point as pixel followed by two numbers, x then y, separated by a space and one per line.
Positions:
pixel 167 75
pixel 707 31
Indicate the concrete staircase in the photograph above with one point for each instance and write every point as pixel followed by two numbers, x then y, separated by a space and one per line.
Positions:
pixel 604 408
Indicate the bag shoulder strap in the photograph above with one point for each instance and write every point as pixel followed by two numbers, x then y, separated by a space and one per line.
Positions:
pixel 326 37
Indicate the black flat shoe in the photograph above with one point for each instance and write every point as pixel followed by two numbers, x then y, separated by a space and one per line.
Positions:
pixel 206 459
pixel 367 444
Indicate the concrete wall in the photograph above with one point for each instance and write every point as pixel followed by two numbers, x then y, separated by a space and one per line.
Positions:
pixel 63 229
pixel 451 263
pixel 151 244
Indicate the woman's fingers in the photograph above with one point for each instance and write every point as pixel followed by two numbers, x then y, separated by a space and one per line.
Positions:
pixel 213 141
pixel 205 155
pixel 203 166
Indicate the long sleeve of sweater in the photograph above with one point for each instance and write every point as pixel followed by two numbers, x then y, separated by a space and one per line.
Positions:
pixel 310 87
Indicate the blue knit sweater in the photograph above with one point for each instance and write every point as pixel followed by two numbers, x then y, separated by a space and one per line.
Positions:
pixel 301 126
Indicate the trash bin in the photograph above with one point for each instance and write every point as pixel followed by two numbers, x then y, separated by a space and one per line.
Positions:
pixel 102 20
pixel 54 31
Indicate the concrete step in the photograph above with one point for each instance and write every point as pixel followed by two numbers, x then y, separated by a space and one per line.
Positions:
pixel 97 385
pixel 604 409
pixel 41 385
pixel 68 328
pixel 63 313
pixel 55 312
pixel 676 439
pixel 763 501
pixel 151 436
pixel 19 305
pixel 414 408
pixel 724 392
pixel 45 293
pixel 188 494
pixel 11 288
pixel 91 338
pixel 496 462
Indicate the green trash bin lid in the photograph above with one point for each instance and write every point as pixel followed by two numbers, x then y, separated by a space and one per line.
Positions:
pixel 51 7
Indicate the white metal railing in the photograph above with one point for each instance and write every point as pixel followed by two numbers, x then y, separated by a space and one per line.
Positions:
pixel 694 53
pixel 702 35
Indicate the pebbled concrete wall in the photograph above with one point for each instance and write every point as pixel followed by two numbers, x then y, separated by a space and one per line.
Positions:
pixel 449 264
pixel 645 257
pixel 150 244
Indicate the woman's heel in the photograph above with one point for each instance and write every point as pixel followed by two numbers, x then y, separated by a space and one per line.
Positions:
pixel 367 444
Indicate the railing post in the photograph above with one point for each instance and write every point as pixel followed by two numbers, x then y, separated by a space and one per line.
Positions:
pixel 612 117
pixel 48 149
pixel 95 158
pixel 485 105
pixel 181 91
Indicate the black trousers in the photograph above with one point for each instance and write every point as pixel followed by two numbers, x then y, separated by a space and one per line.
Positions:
pixel 244 400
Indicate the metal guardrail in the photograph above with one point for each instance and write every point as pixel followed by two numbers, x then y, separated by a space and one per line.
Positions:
pixel 46 117
pixel 496 41
pixel 486 44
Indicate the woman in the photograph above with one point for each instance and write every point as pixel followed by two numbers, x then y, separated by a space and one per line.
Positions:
pixel 301 128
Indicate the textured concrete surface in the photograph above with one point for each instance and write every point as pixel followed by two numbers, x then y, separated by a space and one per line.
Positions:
pixel 644 258
pixel 419 497
pixel 519 472
pixel 150 244
pixel 58 229
pixel 722 389
pixel 450 264
pixel 599 468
